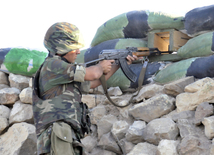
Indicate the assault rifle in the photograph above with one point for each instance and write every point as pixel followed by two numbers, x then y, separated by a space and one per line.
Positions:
pixel 119 55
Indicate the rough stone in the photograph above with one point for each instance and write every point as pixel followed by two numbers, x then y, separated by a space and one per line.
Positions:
pixel 9 95
pixel 203 110
pixel 135 132
pixel 167 147
pixel 177 87
pixel 143 149
pixel 21 113
pixel 152 108
pixel 158 129
pixel 20 139
pixel 18 81
pixel 148 91
pixel 4 111
pixel 26 95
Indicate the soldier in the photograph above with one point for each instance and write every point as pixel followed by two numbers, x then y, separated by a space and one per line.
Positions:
pixel 61 119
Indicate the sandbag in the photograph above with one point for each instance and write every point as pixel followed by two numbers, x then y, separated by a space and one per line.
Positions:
pixel 199 67
pixel 127 25
pixel 21 61
pixel 199 20
pixel 199 46
pixel 135 24
pixel 202 67
pixel 93 52
pixel 160 20
pixel 173 71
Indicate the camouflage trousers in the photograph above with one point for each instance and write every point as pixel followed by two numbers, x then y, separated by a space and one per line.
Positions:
pixel 64 141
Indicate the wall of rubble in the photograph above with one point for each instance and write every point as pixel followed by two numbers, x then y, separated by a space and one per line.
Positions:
pixel 172 119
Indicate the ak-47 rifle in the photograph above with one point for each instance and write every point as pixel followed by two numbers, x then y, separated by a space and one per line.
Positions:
pixel 119 55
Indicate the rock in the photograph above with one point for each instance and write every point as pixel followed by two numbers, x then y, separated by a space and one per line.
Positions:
pixel 107 142
pixel 20 139
pixel 177 87
pixel 152 108
pixel 158 129
pixel 97 90
pixel 209 126
pixel 89 99
pixel 3 123
pixel 4 111
pixel 31 83
pixel 188 128
pixel 167 147
pixel 21 113
pixel 99 151
pixel 203 110
pixel 195 96
pixel 18 81
pixel 189 115
pixel 2 86
pixel 9 95
pixel 135 132
pixel 105 124
pixel 119 129
pixel 148 91
pixel 114 91
pixel 143 149
pixel 124 114
pixel 26 95
pixel 127 145
pixel 4 78
pixel 192 145
pixel 89 142
pixel 97 113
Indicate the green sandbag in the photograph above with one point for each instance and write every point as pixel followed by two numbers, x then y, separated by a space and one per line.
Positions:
pixel 197 47
pixel 112 29
pixel 159 20
pixel 173 71
pixel 24 61
pixel 135 24
pixel 130 42
pixel 118 79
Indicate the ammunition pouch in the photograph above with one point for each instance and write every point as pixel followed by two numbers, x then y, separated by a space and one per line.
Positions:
pixel 85 119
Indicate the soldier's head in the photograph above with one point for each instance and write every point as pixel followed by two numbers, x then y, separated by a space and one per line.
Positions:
pixel 62 38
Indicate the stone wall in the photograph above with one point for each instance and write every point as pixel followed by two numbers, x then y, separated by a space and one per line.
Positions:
pixel 171 119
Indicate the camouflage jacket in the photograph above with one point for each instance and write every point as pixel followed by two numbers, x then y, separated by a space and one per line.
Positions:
pixel 57 96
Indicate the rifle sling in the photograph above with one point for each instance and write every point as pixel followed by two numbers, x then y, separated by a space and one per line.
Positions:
pixel 140 82
pixel 140 79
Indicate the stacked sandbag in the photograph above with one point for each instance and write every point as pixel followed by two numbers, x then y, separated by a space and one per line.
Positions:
pixel 199 67
pixel 199 46
pixel 199 20
pixel 21 60
pixel 135 24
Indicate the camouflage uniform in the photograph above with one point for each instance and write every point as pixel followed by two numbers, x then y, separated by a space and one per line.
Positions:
pixel 57 95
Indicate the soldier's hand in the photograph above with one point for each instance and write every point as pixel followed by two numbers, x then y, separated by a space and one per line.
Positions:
pixel 131 58
pixel 106 65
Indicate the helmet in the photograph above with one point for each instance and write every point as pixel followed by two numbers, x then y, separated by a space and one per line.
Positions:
pixel 62 38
